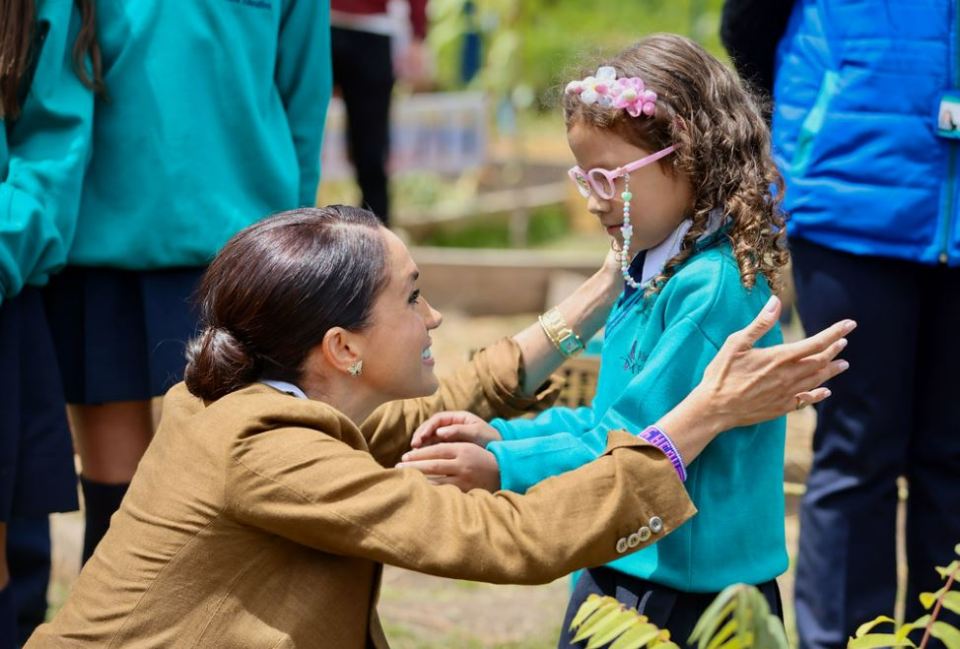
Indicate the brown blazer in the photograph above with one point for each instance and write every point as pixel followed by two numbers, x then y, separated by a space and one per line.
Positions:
pixel 261 520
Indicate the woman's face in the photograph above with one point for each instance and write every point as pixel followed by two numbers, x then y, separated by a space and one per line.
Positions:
pixel 660 200
pixel 397 362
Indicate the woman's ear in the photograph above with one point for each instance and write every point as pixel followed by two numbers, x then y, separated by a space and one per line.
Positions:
pixel 341 349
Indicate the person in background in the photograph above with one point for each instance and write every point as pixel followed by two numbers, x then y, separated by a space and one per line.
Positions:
pixel 50 64
pixel 873 190
pixel 364 70
pixel 212 120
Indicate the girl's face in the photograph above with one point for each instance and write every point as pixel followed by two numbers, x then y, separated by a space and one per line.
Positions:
pixel 397 362
pixel 660 200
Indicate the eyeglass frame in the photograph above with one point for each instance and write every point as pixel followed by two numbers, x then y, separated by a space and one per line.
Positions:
pixel 575 173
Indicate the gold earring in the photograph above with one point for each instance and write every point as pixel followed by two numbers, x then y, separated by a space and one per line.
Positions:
pixel 356 369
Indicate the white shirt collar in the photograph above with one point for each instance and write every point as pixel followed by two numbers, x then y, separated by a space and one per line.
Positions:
pixel 285 387
pixel 658 256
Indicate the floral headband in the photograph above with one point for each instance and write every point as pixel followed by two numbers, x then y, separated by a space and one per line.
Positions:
pixel 604 89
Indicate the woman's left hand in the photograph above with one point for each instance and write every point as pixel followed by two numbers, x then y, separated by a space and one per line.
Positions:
pixel 463 464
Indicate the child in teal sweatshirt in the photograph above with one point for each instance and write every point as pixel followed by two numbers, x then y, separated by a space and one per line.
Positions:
pixel 673 159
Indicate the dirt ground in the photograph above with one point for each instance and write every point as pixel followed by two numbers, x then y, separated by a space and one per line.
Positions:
pixel 422 612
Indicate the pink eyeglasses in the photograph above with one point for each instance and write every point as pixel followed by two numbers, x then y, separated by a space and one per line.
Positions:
pixel 603 182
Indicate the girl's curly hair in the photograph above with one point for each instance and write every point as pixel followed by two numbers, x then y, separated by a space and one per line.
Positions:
pixel 722 146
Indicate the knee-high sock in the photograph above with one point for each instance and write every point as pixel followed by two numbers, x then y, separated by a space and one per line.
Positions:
pixel 100 501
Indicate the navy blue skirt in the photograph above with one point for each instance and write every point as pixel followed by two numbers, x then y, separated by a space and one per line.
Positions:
pixel 37 475
pixel 120 335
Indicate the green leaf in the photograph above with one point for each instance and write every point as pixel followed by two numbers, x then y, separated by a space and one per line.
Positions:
pixel 951 601
pixel 947 634
pixel 864 628
pixel 713 617
pixel 592 604
pixel 612 627
pixel 878 640
pixel 946 571
pixel 588 628
pixel 739 642
pixel 723 634
pixel 636 637
pixel 928 599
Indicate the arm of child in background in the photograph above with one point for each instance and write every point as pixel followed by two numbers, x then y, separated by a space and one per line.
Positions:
pixel 304 78
pixel 43 155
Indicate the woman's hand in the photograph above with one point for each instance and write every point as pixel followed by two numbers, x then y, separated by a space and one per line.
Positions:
pixel 463 464
pixel 743 386
pixel 748 386
pixel 454 426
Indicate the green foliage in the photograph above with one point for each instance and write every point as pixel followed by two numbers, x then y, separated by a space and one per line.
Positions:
pixel 533 46
pixel 739 618
pixel 926 627
pixel 546 224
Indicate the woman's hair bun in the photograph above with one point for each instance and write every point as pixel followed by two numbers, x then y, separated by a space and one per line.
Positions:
pixel 218 363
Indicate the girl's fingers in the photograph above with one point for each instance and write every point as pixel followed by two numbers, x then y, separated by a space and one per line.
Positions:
pixel 434 452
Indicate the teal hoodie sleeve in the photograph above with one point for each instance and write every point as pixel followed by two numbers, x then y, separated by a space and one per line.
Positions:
pixel 671 371
pixel 548 422
pixel 304 78
pixel 43 158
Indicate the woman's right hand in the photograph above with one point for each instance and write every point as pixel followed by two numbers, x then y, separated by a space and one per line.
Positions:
pixel 454 426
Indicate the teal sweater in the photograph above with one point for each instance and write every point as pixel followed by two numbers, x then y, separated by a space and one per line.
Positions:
pixel 212 120
pixel 42 156
pixel 655 352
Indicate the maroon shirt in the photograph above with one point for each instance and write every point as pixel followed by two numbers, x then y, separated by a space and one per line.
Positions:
pixel 418 11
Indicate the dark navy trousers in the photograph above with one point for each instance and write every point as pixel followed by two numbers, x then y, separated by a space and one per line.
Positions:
pixel 896 412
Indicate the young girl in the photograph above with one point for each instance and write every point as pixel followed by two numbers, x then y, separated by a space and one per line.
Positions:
pixel 673 159
pixel 46 109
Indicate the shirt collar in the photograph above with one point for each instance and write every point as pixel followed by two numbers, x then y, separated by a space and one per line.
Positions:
pixel 285 387
pixel 654 259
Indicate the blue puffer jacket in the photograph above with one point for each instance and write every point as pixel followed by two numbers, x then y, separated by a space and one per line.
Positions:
pixel 858 85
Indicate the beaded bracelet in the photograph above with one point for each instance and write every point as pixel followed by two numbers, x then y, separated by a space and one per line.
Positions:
pixel 663 442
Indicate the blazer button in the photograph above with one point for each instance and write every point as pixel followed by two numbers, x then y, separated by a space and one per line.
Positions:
pixel 644 533
pixel 633 540
pixel 656 525
pixel 622 546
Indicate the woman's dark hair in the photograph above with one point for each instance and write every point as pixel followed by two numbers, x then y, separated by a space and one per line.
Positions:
pixel 275 290
pixel 19 51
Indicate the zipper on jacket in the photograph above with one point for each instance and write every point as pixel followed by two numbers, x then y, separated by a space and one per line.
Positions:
pixel 944 256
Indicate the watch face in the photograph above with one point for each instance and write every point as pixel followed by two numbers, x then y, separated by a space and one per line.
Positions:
pixel 570 345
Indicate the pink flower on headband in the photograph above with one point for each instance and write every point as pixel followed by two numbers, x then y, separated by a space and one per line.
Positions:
pixel 604 89
pixel 635 98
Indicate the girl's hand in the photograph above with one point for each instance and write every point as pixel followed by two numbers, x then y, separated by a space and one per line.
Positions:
pixel 454 426
pixel 462 464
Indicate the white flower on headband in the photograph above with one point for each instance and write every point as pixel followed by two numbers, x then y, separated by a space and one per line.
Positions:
pixel 604 89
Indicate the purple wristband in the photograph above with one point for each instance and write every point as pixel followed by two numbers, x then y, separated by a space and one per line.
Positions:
pixel 663 442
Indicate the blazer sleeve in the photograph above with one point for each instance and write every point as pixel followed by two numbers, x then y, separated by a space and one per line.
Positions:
pixel 489 385
pixel 319 492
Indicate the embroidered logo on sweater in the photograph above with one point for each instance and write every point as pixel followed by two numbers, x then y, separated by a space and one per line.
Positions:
pixel 634 360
